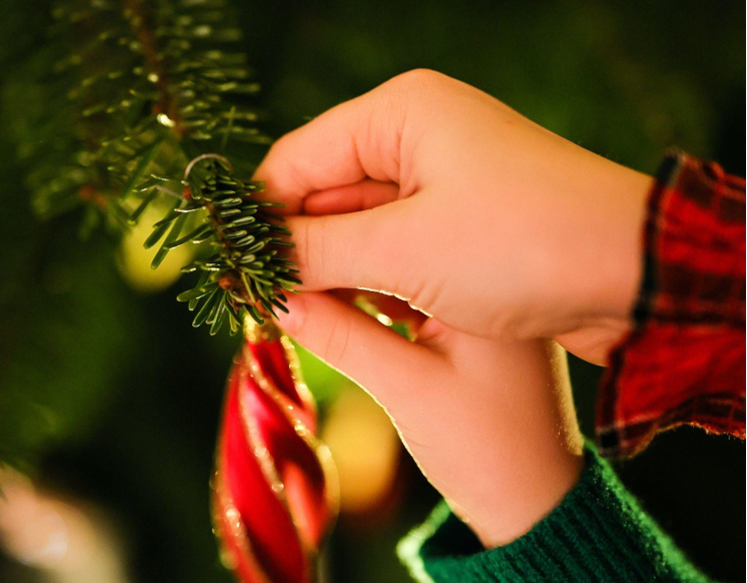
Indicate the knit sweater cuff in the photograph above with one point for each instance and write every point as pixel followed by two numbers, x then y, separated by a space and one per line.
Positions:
pixel 597 534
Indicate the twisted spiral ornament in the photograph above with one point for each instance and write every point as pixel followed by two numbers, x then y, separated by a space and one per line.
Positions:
pixel 275 491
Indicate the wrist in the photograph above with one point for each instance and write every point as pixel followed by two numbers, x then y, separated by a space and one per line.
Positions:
pixel 623 269
pixel 536 457
pixel 610 243
pixel 510 524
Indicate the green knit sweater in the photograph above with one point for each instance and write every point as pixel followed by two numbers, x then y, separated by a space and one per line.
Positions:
pixel 599 533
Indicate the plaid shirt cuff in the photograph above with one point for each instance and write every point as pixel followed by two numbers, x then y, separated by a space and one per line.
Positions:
pixel 684 362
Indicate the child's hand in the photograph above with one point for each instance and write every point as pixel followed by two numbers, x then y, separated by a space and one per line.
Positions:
pixel 470 211
pixel 440 194
pixel 490 422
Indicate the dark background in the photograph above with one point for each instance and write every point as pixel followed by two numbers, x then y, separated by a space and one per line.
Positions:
pixel 108 395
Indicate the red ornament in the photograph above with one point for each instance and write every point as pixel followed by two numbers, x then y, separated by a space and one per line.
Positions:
pixel 275 489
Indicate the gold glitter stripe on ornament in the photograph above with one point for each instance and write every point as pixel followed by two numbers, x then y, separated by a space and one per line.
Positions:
pixel 295 369
pixel 260 451
pixel 225 514
pixel 252 367
pixel 256 333
pixel 267 463
pixel 320 450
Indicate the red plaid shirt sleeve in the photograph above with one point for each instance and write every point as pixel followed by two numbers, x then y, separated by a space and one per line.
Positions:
pixel 684 361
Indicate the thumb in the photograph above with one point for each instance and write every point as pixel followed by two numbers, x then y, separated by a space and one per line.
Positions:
pixel 356 344
pixel 355 250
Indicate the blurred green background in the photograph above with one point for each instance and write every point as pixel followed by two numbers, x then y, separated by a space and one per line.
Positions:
pixel 111 399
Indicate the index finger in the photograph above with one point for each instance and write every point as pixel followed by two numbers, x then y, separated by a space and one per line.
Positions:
pixel 353 141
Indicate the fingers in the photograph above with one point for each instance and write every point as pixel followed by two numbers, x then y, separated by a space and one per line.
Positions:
pixel 378 358
pixel 362 195
pixel 348 251
pixel 372 136
pixel 356 140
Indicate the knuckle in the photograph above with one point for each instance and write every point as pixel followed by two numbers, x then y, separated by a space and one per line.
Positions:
pixel 379 252
pixel 422 87
pixel 311 251
pixel 277 147
pixel 338 342
pixel 285 167
pixel 300 241
pixel 419 77
pixel 274 165
pixel 424 295
pixel 414 84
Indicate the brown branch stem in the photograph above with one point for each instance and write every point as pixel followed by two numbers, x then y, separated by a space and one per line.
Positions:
pixel 167 103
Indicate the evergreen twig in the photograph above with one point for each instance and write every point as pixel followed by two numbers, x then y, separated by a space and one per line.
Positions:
pixel 144 91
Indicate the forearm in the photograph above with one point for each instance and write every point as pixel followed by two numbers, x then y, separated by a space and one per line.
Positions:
pixel 533 432
pixel 684 361
pixel 598 534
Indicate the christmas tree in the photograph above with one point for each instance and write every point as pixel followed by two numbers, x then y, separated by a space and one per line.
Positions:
pixel 141 101
pixel 106 389
pixel 140 111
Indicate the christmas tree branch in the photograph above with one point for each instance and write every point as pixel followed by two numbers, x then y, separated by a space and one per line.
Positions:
pixel 144 104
